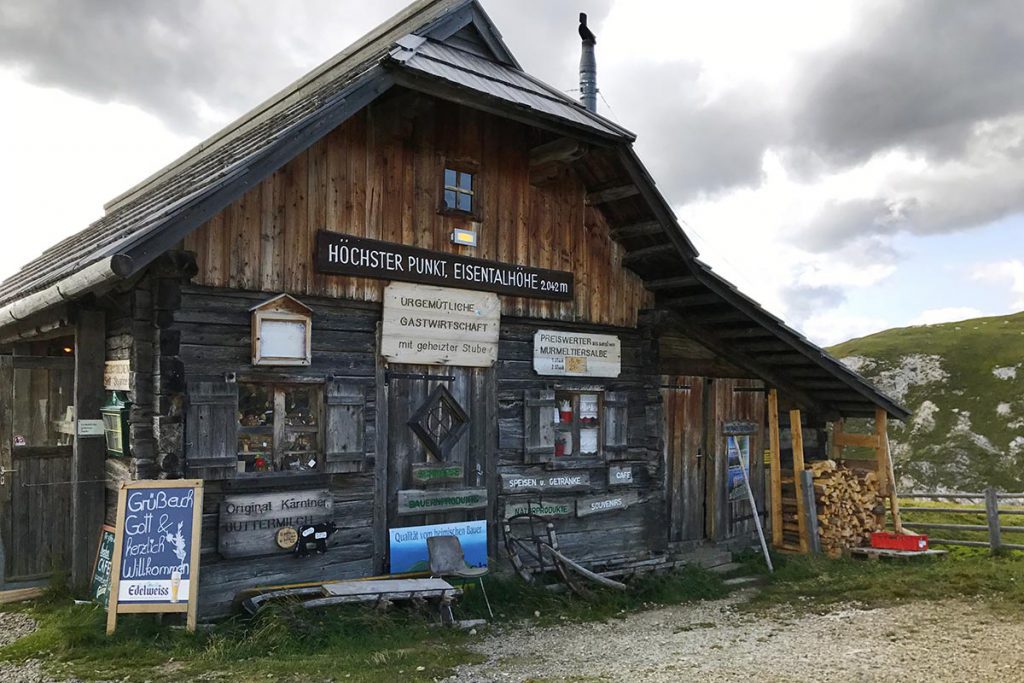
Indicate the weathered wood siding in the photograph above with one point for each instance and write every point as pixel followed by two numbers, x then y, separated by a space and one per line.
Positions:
pixel 379 175
pixel 683 396
pixel 615 536
pixel 214 327
pixel 727 402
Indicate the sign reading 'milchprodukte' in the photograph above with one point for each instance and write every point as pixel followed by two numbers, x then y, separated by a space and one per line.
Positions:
pixel 342 254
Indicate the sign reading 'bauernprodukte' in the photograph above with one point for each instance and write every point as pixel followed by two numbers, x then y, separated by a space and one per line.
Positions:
pixel 576 354
pixel 346 255
pixel 439 326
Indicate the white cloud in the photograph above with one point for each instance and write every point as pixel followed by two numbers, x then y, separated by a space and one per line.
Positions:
pixel 833 327
pixel 934 316
pixel 1001 272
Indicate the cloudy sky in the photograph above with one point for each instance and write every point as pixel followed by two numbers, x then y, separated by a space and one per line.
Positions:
pixel 853 164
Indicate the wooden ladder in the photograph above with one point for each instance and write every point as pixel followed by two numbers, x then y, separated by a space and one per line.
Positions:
pixel 789 531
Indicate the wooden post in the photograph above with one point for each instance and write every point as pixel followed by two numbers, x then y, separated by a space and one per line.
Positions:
pixel 992 512
pixel 837 432
pixel 885 467
pixel 811 512
pixel 87 461
pixel 796 428
pixel 776 463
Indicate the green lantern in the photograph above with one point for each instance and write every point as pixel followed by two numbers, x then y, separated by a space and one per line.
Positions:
pixel 115 424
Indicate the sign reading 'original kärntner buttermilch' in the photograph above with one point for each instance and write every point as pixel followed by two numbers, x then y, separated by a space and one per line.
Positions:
pixel 345 255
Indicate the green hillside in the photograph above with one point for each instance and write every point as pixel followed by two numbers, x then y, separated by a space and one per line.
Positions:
pixel 964 381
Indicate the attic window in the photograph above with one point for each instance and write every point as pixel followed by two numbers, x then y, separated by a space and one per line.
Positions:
pixel 459 190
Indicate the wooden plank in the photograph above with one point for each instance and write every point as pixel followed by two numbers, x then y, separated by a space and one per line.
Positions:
pixel 88 498
pixel 810 511
pixel 843 439
pixel 608 502
pixel 383 587
pixel 887 473
pixel 776 464
pixel 798 466
pixel 639 255
pixel 641 229
pixel 612 194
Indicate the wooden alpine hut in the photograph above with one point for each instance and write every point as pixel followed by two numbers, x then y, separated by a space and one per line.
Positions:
pixel 416 287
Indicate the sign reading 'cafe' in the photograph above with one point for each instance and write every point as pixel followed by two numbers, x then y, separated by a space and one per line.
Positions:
pixel 341 254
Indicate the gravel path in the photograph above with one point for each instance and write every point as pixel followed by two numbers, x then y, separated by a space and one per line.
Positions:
pixel 14 625
pixel 947 641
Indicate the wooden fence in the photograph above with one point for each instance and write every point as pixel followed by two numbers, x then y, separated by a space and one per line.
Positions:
pixel 991 510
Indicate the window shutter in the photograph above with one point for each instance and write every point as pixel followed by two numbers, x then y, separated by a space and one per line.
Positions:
pixel 616 423
pixel 344 406
pixel 211 430
pixel 539 420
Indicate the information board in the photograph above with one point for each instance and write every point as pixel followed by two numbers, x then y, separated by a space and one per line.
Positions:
pixel 156 549
pixel 408 545
pixel 100 587
pixel 439 326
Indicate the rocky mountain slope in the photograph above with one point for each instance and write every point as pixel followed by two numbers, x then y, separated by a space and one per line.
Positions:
pixel 965 383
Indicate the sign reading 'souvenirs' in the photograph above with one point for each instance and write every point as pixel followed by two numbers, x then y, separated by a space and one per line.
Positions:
pixel 341 254
pixel 249 523
pixel 576 354
pixel 439 326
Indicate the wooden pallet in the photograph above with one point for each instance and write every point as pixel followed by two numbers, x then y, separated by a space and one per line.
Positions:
pixel 887 554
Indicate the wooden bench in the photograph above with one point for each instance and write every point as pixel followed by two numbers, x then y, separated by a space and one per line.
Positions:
pixel 377 591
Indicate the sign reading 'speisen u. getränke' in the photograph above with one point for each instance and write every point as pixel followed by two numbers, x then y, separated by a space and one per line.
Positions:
pixel 576 354
pixel 439 326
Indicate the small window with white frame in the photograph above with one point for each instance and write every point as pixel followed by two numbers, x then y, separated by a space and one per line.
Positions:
pixel 281 332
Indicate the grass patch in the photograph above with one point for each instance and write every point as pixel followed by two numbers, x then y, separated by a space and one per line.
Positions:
pixel 815 583
pixel 288 643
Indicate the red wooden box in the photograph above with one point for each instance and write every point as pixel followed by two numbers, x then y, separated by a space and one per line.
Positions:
pixel 891 541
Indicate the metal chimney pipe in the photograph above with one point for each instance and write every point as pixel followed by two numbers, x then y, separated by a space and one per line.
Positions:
pixel 588 66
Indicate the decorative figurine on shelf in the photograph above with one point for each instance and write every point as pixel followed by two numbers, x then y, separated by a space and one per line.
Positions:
pixel 261 464
pixel 565 411
pixel 315 535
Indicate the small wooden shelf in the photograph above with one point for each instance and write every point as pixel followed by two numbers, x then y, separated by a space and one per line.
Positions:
pixel 257 429
pixel 302 429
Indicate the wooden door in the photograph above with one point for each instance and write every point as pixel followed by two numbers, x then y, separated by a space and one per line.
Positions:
pixel 36 442
pixel 439 439
pixel 683 398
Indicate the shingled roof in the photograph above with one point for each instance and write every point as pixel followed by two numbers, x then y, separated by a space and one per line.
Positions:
pixel 449 49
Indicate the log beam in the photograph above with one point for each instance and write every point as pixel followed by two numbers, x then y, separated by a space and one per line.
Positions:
pixel 642 229
pixel 776 463
pixel 612 194
pixel 796 430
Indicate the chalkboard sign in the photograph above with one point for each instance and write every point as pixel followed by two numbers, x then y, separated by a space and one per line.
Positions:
pixel 100 588
pixel 156 549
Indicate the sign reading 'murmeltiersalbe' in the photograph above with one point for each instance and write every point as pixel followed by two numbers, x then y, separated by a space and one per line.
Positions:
pixel 440 326
pixel 249 522
pixel 569 481
pixel 576 354
pixel 346 255
pixel 419 501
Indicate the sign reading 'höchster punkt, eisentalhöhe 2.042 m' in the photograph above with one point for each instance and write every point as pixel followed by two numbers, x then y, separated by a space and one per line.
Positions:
pixel 576 354
pixel 341 254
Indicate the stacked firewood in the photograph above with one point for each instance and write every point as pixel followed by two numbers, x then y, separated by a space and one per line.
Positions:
pixel 849 503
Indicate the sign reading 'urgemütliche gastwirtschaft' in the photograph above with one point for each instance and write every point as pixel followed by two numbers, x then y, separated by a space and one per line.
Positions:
pixel 576 354
pixel 156 548
pixel 439 326
pixel 341 254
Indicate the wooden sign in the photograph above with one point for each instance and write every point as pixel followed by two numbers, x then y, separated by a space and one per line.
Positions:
pixel 249 523
pixel 156 549
pixel 440 326
pixel 568 481
pixel 620 475
pixel 437 473
pixel 99 588
pixel 342 254
pixel 576 354
pixel 543 509
pixel 421 502
pixel 117 375
pixel 593 505
pixel 734 427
